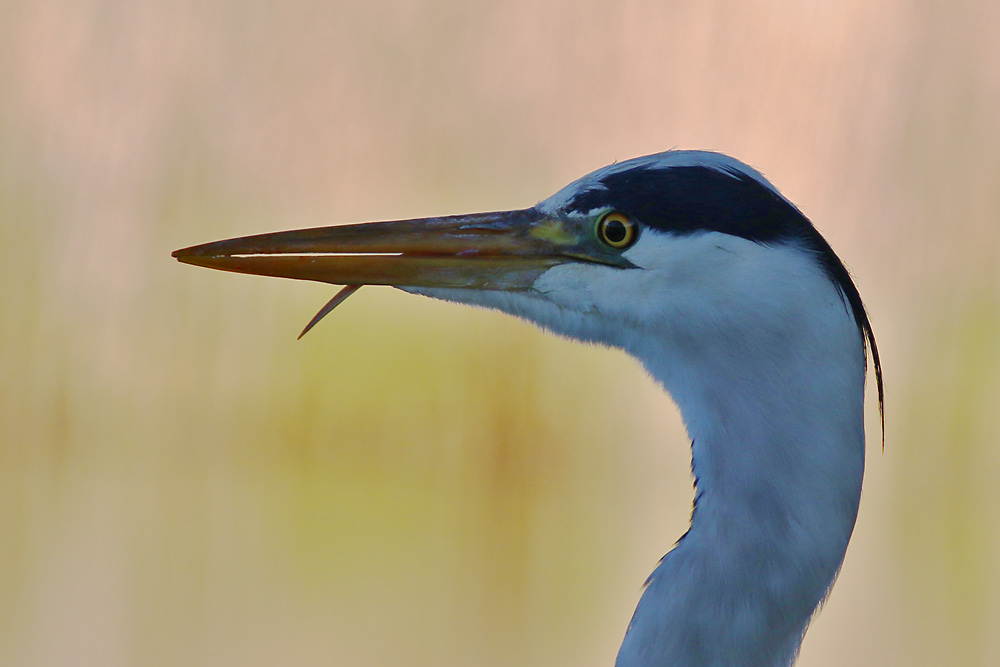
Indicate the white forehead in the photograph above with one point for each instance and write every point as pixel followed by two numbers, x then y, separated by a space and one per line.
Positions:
pixel 667 160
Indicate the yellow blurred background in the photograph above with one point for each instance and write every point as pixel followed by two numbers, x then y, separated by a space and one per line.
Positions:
pixel 413 483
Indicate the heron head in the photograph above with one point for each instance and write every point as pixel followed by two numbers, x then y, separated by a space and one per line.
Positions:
pixel 694 245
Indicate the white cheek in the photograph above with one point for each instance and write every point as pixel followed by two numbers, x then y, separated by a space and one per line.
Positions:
pixel 691 256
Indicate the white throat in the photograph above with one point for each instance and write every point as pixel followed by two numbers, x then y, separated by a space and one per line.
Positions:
pixel 762 355
pixel 778 453
pixel 772 396
pixel 772 393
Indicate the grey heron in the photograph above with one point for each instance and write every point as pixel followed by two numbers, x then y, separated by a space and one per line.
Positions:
pixel 693 263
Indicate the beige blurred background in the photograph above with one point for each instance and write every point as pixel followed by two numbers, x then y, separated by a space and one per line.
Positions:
pixel 182 483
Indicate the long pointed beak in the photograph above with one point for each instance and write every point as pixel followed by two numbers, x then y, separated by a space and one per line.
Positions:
pixel 508 250
pixel 492 251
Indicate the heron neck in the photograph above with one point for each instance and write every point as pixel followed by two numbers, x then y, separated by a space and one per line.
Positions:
pixel 778 458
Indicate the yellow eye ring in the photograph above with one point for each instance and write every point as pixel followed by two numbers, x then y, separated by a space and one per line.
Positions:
pixel 617 230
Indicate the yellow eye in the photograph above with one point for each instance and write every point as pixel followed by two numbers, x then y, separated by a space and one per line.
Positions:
pixel 617 230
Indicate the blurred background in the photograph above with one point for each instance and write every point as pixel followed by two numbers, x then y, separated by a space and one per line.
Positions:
pixel 413 483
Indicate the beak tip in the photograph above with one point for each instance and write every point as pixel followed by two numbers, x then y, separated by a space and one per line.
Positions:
pixel 183 254
pixel 185 257
pixel 191 254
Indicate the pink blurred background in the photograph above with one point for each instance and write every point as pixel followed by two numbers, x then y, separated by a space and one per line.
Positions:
pixel 414 483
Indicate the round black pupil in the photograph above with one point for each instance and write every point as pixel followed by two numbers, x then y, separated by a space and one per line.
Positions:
pixel 615 231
